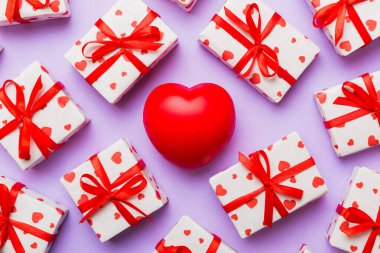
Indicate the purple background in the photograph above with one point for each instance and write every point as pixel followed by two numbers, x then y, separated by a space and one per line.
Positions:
pixel 259 123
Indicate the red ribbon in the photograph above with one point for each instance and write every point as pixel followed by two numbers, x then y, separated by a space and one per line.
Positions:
pixel 363 223
pixel 213 248
pixel 8 225
pixel 127 185
pixel 337 11
pixel 271 185
pixel 144 37
pixel 23 117
pixel 12 12
pixel 265 56
pixel 357 97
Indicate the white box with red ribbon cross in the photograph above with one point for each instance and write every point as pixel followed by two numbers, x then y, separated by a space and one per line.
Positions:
pixel 268 185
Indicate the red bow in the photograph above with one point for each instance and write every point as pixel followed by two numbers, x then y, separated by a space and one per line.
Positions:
pixel 213 248
pixel 132 182
pixel 271 185
pixel 8 225
pixel 363 223
pixel 265 56
pixel 12 12
pixel 337 11
pixel 144 37
pixel 357 97
pixel 23 117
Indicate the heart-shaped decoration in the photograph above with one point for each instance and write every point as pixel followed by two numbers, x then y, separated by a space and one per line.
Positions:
pixel 189 126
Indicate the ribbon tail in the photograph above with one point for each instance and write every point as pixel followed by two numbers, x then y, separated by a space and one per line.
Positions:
pixel 269 205
pixel 125 213
pixel 370 242
pixel 16 243
pixel 339 28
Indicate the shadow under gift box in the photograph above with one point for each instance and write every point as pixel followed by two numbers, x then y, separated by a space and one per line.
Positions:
pixel 32 211
pixel 187 234
pixel 229 38
pixel 289 164
pixel 112 163
pixel 360 24
pixel 351 114
pixel 115 69
pixel 359 208
pixel 31 12
pixel 60 119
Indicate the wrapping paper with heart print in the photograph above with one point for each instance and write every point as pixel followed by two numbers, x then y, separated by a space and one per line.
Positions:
pixel 294 50
pixel 237 181
pixel 351 41
pixel 55 9
pixel 123 17
pixel 355 135
pixel 191 235
pixel 60 119
pixel 116 159
pixel 363 193
pixel 304 249
pixel 38 211
pixel 186 5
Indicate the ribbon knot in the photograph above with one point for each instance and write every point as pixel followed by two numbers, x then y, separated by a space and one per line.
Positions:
pixel 271 185
pixel 363 223
pixel 23 114
pixel 144 37
pixel 126 186
pixel 355 96
pixel 161 248
pixel 12 11
pixel 337 12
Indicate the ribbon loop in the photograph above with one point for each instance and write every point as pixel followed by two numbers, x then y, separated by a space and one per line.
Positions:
pixel 271 185
pixel 12 11
pixel 23 114
pixel 144 37
pixel 337 12
pixel 126 186
pixel 363 223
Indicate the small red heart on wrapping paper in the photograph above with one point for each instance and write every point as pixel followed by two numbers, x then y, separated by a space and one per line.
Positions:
pixel 255 79
pixel 289 204
pixel 116 216
pixel 201 240
pixel 187 232
pixel 37 217
pixel 372 141
pixel 234 217
pixel 67 127
pixel 251 204
pixel 316 3
pixel 220 191
pixel 33 245
pixel 353 248
pixel 54 6
pixel 283 165
pixel 81 65
pixel 371 24
pixel 189 126
pixel 346 45
pixel 227 55
pixel 116 158
pixel 360 185
pixel 62 101
pixel 317 182
pixel 69 177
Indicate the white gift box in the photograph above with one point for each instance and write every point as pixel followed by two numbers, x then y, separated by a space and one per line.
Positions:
pixel 294 50
pixel 187 233
pixel 239 183
pixel 35 210
pixel 362 193
pixel 186 5
pixel 368 12
pixel 351 128
pixel 59 120
pixel 118 159
pixel 55 9
pixel 304 249
pixel 123 19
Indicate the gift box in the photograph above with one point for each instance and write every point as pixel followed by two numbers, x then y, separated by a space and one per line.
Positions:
pixel 36 116
pixel 351 115
pixel 122 47
pixel 268 185
pixel 349 25
pixel 259 45
pixel 188 236
pixel 29 221
pixel 186 5
pixel 355 227
pixel 14 12
pixel 114 190
pixel 304 249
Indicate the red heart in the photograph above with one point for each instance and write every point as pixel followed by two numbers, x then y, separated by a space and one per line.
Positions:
pixel 227 55
pixel 317 181
pixel 372 141
pixel 81 65
pixel 360 185
pixel 289 204
pixel 62 101
pixel 116 216
pixel 346 45
pixel 47 130
pixel 301 144
pixel 354 248
pixel 37 216
pixel 220 191
pixel 54 6
pixel 251 204
pixel 371 25
pixel 67 127
pixel 187 232
pixel 302 59
pixel 69 177
pixel 255 79
pixel 33 245
pixel 350 142
pixel 316 3
pixel 234 217
pixel 283 165
pixel 189 126
pixel 116 157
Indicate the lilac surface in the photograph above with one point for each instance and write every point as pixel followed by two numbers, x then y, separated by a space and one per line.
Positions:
pixel 259 123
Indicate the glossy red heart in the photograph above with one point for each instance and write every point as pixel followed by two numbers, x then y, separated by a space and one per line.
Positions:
pixel 189 126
